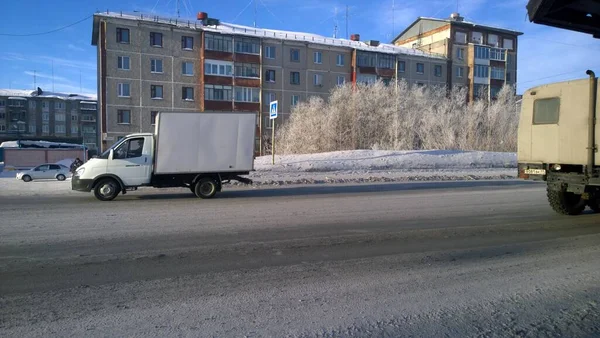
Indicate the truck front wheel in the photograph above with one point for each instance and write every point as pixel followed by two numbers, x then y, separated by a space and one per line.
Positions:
pixel 206 188
pixel 107 189
pixel 566 203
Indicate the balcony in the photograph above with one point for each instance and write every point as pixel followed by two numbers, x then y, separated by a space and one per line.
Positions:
pixel 17 102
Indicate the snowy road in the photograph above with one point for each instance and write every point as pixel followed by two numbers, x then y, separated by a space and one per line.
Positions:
pixel 481 258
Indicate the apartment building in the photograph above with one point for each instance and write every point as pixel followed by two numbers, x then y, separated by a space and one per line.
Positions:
pixel 147 64
pixel 48 116
pixel 481 57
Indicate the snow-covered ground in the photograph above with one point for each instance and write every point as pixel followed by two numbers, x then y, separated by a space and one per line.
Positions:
pixel 358 166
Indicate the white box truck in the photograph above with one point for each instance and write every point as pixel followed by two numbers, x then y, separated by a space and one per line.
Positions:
pixel 194 150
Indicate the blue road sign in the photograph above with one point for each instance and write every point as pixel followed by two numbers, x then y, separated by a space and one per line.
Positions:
pixel 273 110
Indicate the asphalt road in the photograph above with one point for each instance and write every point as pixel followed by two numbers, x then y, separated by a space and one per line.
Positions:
pixel 415 259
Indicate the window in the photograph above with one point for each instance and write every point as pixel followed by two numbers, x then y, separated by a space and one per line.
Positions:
pixel 341 79
pixel 2 103
pixel 317 57
pixel 508 44
pixel 123 89
pixel 318 80
pixel 295 100
pixel 155 39
pixel 401 66
pixel 247 45
pixel 497 73
pixel 74 118
pixel 2 116
pixel 437 70
pixel 218 42
pixel 493 40
pixel 509 59
pixel 245 94
pixel 481 71
pixel 366 78
pixel 32 129
pixel 508 77
pixel 123 62
pixel 482 52
pixel 420 68
pixel 340 60
pixel 74 130
pixel 270 52
pixel 270 97
pixel 218 93
pixel 45 129
pixel 247 70
pixel 2 127
pixel 546 111
pixel 60 129
pixel 156 66
pixel 365 60
pixel 295 78
pixel 386 61
pixel 32 104
pixel 153 117
pixel 122 35
pixel 460 53
pixel 219 68
pixel 460 37
pixel 129 149
pixel 270 75
pixel 59 105
pixel 187 68
pixel 123 116
pixel 187 93
pixel 187 42
pixel 59 117
pixel 460 72
pixel 295 55
pixel 156 92
pixel 494 92
pixel 497 54
pixel 45 105
pixel 477 37
pixel 45 116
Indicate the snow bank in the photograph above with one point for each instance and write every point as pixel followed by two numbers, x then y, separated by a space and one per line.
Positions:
pixel 387 160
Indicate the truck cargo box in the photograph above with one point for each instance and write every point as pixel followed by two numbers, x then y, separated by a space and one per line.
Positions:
pixel 196 142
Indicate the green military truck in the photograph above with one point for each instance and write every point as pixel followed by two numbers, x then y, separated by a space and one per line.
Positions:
pixel 557 127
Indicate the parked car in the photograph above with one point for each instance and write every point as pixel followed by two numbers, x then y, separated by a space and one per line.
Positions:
pixel 45 171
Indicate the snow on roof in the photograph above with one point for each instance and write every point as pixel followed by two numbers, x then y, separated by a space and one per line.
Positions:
pixel 88 102
pixel 20 94
pixel 233 29
pixel 472 24
pixel 16 92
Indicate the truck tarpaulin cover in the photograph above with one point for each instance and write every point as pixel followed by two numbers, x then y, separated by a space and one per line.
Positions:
pixel 204 142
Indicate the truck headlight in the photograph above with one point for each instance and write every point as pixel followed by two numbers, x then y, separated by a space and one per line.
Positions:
pixel 79 171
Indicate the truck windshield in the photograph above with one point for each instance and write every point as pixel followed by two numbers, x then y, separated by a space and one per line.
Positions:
pixel 105 154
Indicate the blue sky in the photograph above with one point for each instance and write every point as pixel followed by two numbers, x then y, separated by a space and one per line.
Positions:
pixel 546 54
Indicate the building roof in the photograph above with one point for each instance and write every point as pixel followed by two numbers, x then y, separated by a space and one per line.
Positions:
pixel 581 16
pixel 459 23
pixel 23 93
pixel 233 29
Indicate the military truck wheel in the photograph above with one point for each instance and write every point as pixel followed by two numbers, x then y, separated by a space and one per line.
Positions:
pixel 566 203
pixel 206 188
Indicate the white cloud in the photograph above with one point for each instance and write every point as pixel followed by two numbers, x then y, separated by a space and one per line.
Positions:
pixel 45 76
pixel 75 48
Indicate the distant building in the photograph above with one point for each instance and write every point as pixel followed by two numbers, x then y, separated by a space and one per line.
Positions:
pixel 482 58
pixel 48 116
pixel 147 64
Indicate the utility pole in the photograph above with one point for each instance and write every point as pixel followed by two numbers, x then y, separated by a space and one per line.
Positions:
pixel 80 87
pixel 34 80
pixel 52 75
pixel 177 7
pixel 335 27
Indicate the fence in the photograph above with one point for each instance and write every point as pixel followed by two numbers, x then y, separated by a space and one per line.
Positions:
pixel 27 158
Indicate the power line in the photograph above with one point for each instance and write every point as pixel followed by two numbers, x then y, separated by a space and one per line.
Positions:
pixel 551 76
pixel 48 32
pixel 242 11
pixel 268 10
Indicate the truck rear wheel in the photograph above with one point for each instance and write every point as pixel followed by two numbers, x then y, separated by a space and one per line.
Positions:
pixel 206 188
pixel 107 189
pixel 566 203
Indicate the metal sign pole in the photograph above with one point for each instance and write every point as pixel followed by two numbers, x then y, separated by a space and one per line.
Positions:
pixel 273 141
pixel 273 117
